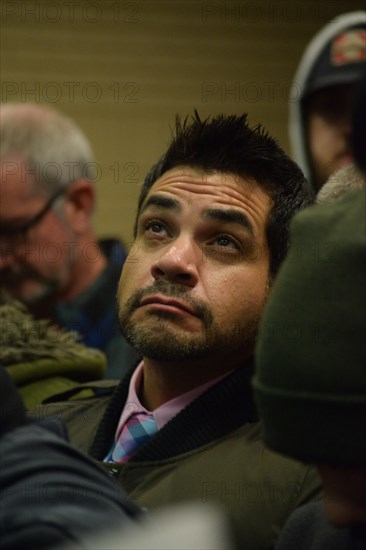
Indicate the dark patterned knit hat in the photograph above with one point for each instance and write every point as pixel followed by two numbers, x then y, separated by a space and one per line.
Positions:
pixel 341 62
pixel 310 381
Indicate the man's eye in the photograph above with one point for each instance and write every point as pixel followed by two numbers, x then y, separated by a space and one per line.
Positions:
pixel 155 227
pixel 225 241
pixel 225 244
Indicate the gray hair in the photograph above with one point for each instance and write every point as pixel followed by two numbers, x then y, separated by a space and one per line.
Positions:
pixel 51 145
pixel 344 180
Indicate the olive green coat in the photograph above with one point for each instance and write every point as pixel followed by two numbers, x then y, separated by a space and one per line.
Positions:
pixel 211 452
pixel 42 359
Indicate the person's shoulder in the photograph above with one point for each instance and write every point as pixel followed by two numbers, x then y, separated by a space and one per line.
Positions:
pixel 276 477
pixel 287 472
pixel 80 409
pixel 114 251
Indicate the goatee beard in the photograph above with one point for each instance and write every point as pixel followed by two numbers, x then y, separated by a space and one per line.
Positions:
pixel 160 339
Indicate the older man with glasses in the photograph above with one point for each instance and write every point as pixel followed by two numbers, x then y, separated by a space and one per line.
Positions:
pixel 50 258
pixel 18 234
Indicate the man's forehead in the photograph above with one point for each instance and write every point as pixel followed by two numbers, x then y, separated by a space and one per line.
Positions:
pixel 182 173
pixel 17 181
pixel 198 181
pixel 212 196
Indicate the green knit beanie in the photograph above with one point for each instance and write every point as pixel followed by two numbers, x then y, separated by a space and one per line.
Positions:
pixel 310 381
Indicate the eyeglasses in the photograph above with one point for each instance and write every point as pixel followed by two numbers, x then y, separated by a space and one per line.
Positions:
pixel 19 234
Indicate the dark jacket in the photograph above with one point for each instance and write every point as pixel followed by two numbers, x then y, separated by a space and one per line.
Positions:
pixel 50 493
pixel 211 451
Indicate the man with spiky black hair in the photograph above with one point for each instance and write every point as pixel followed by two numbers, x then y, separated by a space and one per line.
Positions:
pixel 210 233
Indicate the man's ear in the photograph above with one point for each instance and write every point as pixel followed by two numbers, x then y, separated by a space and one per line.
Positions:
pixel 79 205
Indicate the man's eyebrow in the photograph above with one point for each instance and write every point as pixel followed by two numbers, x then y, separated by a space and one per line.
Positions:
pixel 162 201
pixel 229 216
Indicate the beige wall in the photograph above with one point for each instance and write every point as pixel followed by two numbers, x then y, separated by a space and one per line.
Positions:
pixel 123 69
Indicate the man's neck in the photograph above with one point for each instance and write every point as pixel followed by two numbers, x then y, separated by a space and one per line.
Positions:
pixel 163 380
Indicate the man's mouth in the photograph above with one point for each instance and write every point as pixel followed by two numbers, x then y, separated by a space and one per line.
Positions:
pixel 163 303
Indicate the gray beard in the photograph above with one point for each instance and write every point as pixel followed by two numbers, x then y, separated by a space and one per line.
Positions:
pixel 44 291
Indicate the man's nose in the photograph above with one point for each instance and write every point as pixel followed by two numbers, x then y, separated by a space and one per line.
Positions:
pixel 179 262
